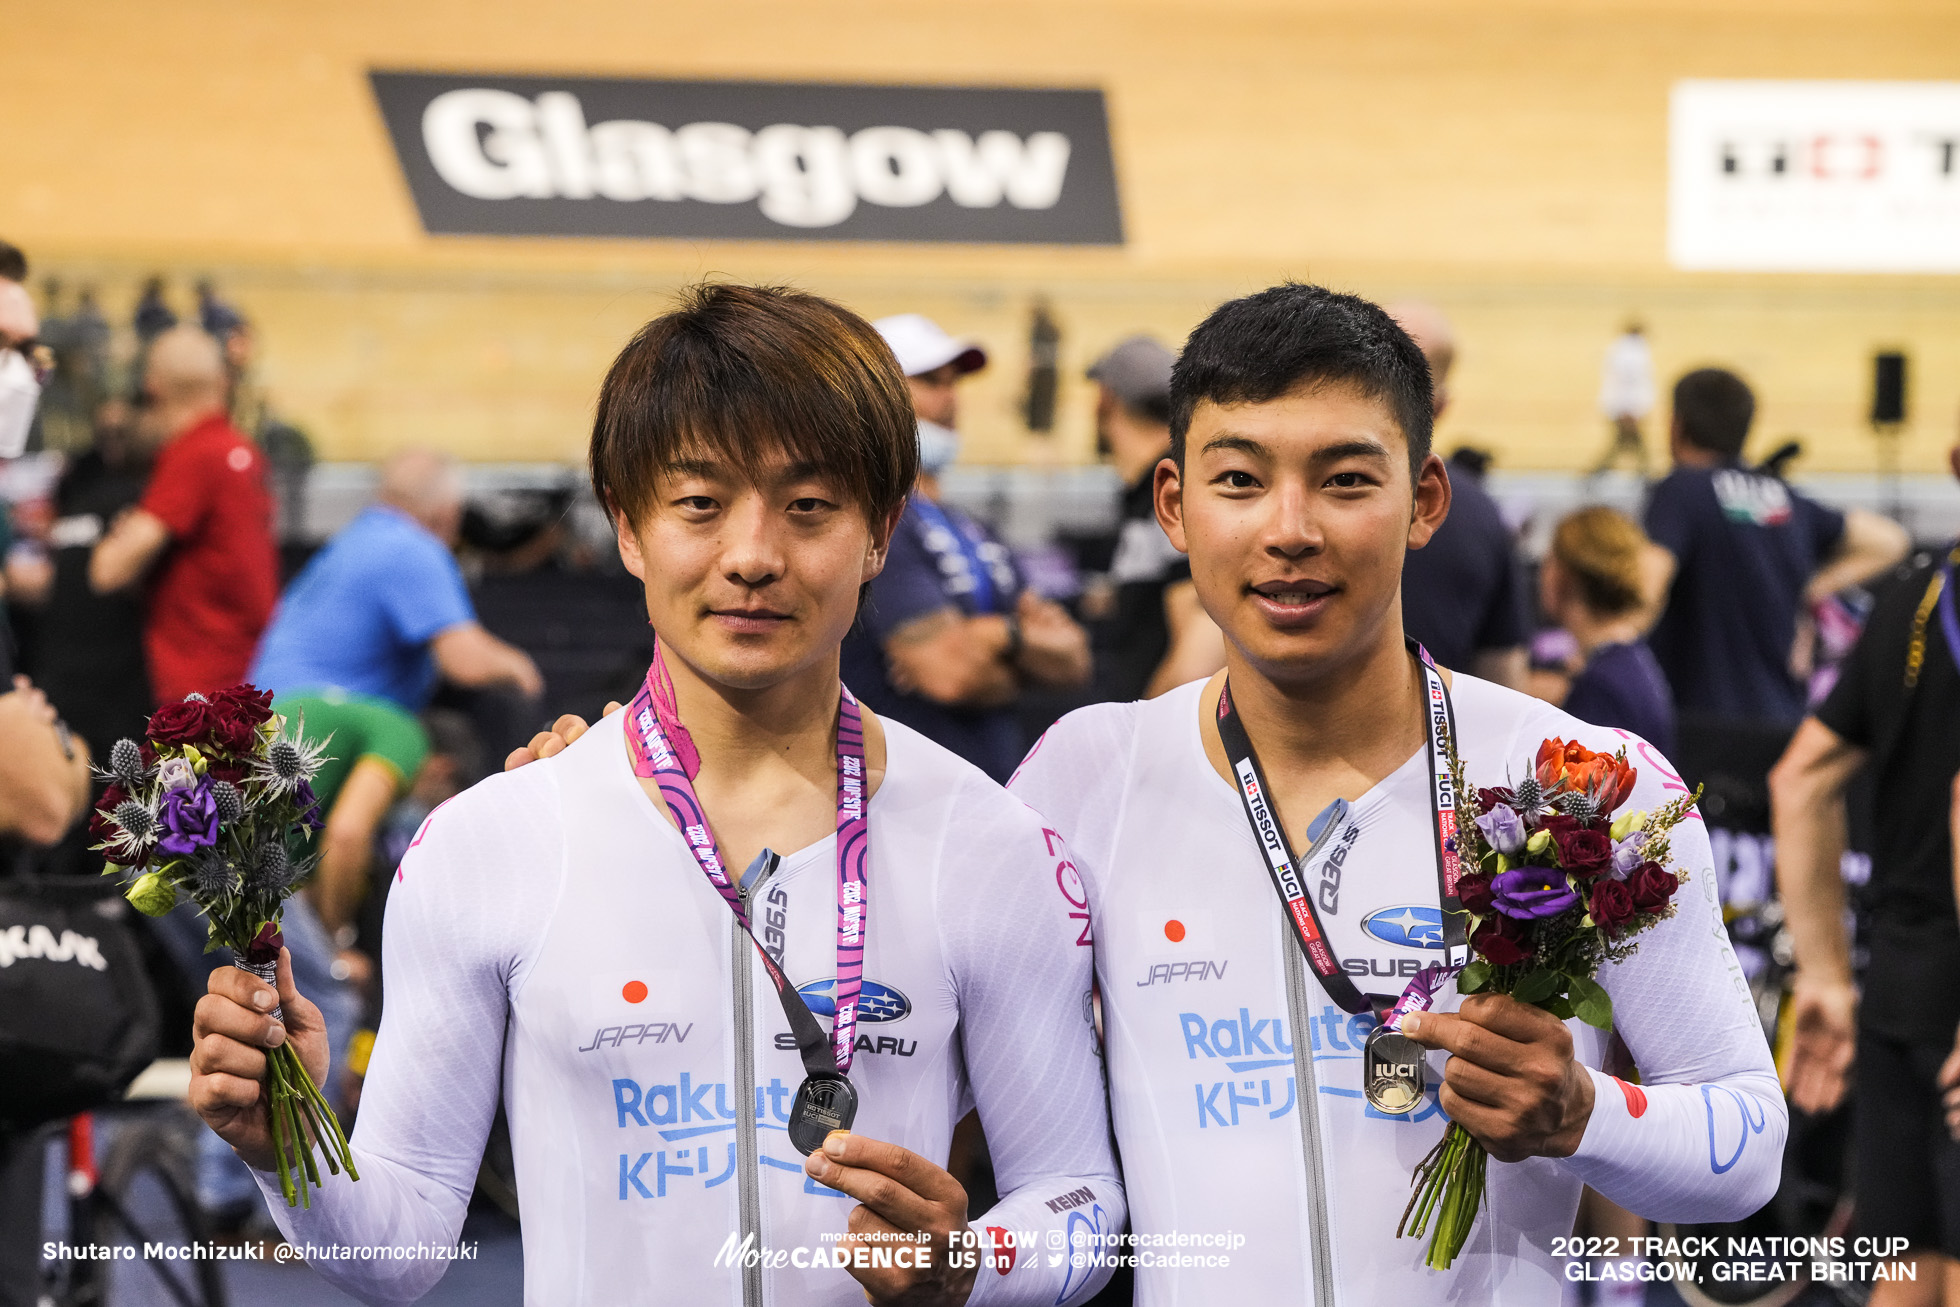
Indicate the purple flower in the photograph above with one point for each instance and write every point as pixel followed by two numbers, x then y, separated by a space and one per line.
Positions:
pixel 1503 828
pixel 1530 893
pixel 189 818
pixel 1627 854
pixel 309 806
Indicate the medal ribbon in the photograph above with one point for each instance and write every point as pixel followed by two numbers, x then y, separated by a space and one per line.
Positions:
pixel 664 753
pixel 1289 877
pixel 1950 625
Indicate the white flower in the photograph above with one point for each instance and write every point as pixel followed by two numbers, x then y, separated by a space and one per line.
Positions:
pixel 176 774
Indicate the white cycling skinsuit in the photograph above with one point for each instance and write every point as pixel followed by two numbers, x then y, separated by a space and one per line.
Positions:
pixel 551 941
pixel 1216 1032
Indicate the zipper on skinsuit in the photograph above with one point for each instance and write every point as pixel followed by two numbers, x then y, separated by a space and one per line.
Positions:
pixel 1306 1097
pixel 748 1162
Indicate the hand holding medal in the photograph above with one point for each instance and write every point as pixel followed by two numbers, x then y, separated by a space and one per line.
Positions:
pixel 904 1203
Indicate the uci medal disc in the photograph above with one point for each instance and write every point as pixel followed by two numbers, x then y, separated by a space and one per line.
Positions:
pixel 823 1103
pixel 1392 1071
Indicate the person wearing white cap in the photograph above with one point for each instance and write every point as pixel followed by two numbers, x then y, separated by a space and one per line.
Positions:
pixel 948 636
pixel 933 363
pixel 1149 634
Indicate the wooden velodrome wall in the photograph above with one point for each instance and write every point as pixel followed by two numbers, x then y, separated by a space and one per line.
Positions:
pixel 1506 159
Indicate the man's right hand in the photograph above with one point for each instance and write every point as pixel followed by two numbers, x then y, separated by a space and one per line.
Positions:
pixel 231 1032
pixel 563 734
pixel 1824 1016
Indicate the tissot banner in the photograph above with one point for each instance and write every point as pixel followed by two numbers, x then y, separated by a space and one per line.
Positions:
pixel 1771 176
pixel 585 156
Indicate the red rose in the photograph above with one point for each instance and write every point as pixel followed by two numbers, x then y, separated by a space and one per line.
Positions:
pixel 246 701
pixel 1652 885
pixel 1555 822
pixel 1473 891
pixel 235 717
pixel 227 769
pixel 1488 799
pixel 1583 851
pixel 188 722
pixel 1611 905
pixel 1503 940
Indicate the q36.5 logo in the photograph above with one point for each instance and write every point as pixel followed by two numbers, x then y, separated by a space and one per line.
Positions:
pixel 876 1002
pixel 1410 925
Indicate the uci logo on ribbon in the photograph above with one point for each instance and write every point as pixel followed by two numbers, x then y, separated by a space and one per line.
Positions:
pixel 876 1002
pixel 1411 926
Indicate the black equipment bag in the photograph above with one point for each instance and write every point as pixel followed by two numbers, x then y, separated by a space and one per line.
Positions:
pixel 78 1017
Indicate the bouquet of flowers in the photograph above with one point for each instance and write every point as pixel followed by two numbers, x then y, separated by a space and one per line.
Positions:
pixel 1556 885
pixel 218 805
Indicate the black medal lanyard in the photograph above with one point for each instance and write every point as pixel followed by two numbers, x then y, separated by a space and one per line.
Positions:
pixel 1288 876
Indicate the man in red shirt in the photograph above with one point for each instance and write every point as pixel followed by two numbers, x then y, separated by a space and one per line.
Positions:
pixel 205 522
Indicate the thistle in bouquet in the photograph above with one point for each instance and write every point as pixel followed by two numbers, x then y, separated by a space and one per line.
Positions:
pixel 1559 881
pixel 216 805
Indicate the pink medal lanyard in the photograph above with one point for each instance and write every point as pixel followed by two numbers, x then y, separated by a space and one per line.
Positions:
pixel 664 753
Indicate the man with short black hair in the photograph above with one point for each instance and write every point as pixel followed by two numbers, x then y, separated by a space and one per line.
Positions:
pixel 1299 476
pixel 1750 554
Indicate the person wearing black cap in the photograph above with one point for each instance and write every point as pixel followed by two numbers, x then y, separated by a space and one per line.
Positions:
pixel 1147 631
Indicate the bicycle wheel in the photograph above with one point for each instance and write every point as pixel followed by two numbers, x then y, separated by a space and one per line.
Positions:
pixel 148 1191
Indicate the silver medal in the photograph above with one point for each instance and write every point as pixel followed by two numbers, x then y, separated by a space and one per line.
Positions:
pixel 1392 1071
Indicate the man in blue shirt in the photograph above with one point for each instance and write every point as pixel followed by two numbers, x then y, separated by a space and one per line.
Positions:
pixel 360 638
pixel 1750 555
pixel 382 610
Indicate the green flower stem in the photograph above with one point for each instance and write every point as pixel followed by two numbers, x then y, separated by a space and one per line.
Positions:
pixel 278 1146
pixel 301 1117
pixel 276 1117
pixel 1448 1186
pixel 325 1113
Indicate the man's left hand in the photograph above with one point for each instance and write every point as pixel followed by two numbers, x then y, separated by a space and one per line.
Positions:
pixel 1512 1082
pixel 905 1202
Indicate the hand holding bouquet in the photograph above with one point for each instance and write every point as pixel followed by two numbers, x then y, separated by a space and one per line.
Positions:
pixel 213 806
pixel 1558 885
